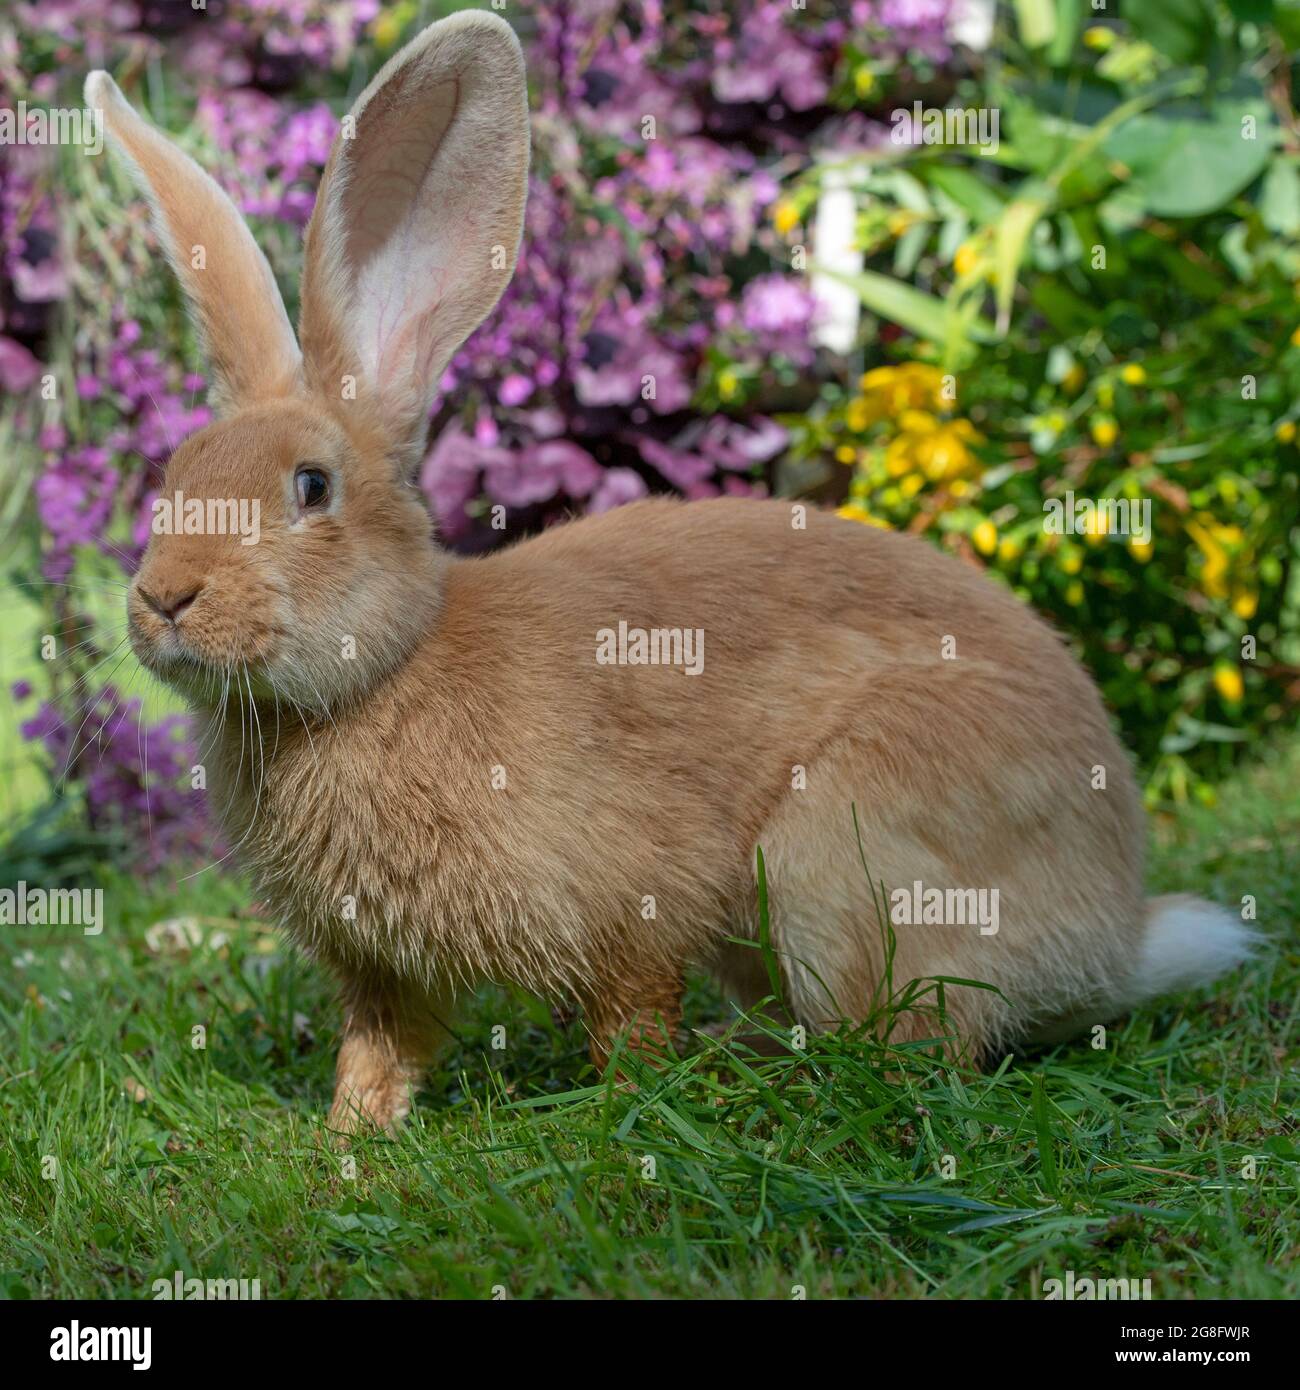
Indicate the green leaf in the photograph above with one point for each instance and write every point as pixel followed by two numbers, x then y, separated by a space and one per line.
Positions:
pixel 909 249
pixel 1037 22
pixel 1181 166
pixel 1066 311
pixel 1013 231
pixel 1069 19
pixel 1183 30
pixel 765 926
pixel 1043 1133
pixel 908 191
pixel 913 309
pixel 971 193
pixel 1252 11
pixel 1279 204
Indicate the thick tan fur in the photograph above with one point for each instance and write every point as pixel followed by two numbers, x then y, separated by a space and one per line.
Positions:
pixel 470 795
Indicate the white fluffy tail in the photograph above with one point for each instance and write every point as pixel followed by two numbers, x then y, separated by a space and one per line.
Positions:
pixel 1188 943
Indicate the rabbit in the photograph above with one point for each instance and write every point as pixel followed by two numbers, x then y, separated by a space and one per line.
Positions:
pixel 447 771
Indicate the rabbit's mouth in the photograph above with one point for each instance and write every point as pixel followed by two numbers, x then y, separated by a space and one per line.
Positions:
pixel 206 685
pixel 188 645
pixel 168 653
pixel 173 661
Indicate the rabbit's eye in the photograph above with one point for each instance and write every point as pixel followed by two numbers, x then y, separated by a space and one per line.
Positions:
pixel 312 486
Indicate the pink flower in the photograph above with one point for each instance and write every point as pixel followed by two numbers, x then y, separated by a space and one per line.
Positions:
pixel 18 368
pixel 619 485
pixel 514 390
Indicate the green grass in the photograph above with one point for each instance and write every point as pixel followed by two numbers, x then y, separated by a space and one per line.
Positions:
pixel 22 783
pixel 523 1170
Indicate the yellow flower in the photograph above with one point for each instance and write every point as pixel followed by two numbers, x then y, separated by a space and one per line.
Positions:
pixel 1096 527
pixel 1244 604
pixel 846 454
pixel 903 454
pixel 959 488
pixel 785 216
pixel 1295 338
pixel 1098 37
pixel 1105 431
pixel 985 537
pixel 1133 375
pixel 853 512
pixel 1071 560
pixel 1009 549
pixel 888 391
pixel 899 221
pixel 1074 593
pixel 940 452
pixel 864 81
pixel 1285 432
pixel 1141 550
pixel 911 485
pixel 728 383
pixel 966 259
pixel 1228 682
pixel 917 422
pixel 386 28
pixel 1215 542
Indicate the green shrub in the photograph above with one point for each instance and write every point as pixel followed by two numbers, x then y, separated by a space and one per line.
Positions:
pixel 1100 307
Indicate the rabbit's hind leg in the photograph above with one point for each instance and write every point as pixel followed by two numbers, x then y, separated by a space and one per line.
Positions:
pixel 645 1004
pixel 832 853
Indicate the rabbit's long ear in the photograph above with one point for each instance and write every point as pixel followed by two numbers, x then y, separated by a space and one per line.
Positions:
pixel 246 332
pixel 418 220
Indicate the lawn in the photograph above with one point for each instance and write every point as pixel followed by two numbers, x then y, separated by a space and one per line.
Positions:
pixel 128 1153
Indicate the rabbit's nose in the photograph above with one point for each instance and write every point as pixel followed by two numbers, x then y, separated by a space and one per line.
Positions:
pixel 171 606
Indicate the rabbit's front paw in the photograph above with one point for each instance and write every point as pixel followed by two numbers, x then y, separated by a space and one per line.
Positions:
pixel 381 1104
pixel 390 1036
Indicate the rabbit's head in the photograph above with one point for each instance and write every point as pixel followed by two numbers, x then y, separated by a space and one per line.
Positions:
pixel 290 546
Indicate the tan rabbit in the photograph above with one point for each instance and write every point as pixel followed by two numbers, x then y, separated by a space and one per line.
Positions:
pixel 449 770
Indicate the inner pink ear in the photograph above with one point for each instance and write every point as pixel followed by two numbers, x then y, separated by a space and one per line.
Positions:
pixel 402 319
pixel 398 137
pixel 402 237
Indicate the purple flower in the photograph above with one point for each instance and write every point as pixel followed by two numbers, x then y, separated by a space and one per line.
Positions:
pixel 18 368
pixel 619 485
pixel 515 390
